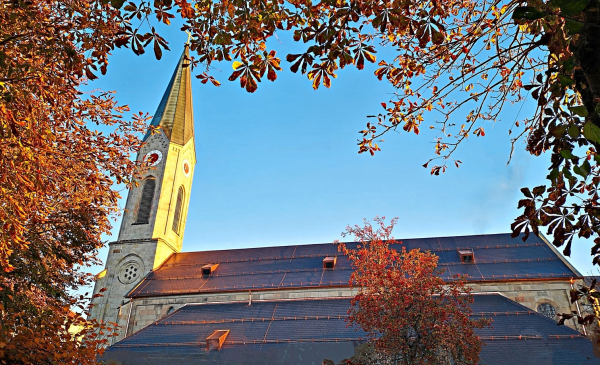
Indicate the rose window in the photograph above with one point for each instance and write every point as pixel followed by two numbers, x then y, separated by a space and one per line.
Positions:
pixel 129 273
pixel 547 310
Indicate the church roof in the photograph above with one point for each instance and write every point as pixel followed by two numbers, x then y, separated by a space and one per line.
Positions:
pixel 307 331
pixel 175 112
pixel 496 257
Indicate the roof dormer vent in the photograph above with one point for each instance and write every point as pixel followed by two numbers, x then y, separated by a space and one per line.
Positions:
pixel 216 339
pixel 466 256
pixel 329 262
pixel 209 269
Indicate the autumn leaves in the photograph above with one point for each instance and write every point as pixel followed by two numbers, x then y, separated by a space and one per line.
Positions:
pixel 251 71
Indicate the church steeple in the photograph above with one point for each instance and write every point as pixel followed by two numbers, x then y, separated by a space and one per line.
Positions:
pixel 157 208
pixel 174 114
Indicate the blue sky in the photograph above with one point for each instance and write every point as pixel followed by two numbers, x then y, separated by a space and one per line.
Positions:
pixel 280 166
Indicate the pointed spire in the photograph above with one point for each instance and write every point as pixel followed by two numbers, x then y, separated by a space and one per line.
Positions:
pixel 175 114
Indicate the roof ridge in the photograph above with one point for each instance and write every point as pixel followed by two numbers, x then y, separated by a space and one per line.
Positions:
pixel 332 243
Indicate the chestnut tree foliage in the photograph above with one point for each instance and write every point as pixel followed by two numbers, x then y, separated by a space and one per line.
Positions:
pixel 588 299
pixel 410 314
pixel 56 174
pixel 456 63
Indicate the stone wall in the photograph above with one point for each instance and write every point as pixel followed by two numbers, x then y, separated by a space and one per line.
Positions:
pixel 533 293
pixel 144 311
pixel 139 254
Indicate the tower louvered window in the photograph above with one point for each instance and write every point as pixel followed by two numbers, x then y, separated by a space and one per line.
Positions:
pixel 143 215
pixel 178 207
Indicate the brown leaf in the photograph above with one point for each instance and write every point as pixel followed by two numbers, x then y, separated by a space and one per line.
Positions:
pixel 157 50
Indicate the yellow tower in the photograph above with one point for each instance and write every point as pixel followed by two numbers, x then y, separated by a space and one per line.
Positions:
pixel 157 208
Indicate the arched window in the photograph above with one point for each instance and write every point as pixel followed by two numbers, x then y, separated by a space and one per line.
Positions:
pixel 146 202
pixel 170 310
pixel 178 208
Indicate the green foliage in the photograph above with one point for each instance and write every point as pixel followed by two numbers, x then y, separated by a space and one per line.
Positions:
pixel 527 13
pixel 569 7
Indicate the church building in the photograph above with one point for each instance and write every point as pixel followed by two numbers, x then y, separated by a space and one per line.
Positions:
pixel 288 304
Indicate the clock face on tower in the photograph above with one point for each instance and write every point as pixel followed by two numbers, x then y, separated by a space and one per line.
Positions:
pixel 186 168
pixel 152 158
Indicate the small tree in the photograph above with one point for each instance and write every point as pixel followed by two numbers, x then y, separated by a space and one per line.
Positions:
pixel 411 315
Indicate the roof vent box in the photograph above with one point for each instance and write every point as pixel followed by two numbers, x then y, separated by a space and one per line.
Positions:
pixel 466 256
pixel 209 269
pixel 329 262
pixel 216 339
